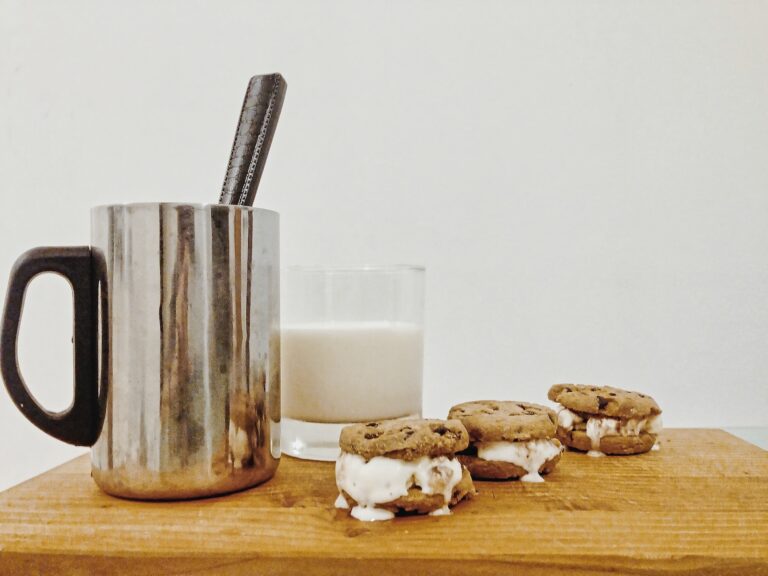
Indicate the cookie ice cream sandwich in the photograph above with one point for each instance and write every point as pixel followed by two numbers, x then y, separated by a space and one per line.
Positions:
pixel 508 439
pixel 604 420
pixel 395 466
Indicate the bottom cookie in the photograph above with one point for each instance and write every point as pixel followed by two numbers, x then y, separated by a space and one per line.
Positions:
pixel 498 470
pixel 417 502
pixel 613 445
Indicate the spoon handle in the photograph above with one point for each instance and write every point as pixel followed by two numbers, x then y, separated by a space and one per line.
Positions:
pixel 255 130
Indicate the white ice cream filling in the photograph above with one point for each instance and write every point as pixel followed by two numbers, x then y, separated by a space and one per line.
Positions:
pixel 598 427
pixel 530 455
pixel 381 480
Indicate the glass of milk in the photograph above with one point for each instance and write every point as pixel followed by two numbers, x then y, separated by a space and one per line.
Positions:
pixel 352 351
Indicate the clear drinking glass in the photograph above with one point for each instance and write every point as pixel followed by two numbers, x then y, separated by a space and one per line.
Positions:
pixel 352 351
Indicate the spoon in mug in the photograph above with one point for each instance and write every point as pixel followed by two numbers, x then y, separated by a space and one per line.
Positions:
pixel 253 138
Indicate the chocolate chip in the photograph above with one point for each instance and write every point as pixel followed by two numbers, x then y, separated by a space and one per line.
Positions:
pixel 372 435
pixel 602 402
pixel 372 425
pixel 612 394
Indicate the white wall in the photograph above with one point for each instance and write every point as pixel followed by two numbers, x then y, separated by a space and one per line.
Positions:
pixel 586 182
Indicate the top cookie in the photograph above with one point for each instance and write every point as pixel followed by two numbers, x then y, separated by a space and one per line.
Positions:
pixel 404 439
pixel 505 421
pixel 604 401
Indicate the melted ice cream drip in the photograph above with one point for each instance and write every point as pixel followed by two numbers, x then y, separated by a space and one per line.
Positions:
pixel 341 502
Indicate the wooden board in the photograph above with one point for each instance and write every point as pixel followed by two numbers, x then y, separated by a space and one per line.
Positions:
pixel 698 506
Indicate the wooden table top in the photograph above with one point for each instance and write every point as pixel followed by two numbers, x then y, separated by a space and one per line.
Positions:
pixel 697 506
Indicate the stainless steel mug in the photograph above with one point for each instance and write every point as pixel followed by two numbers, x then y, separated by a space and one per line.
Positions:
pixel 177 348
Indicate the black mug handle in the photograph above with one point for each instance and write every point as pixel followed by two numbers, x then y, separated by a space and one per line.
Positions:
pixel 81 423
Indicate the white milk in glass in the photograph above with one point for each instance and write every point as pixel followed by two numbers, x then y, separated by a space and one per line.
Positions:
pixel 351 371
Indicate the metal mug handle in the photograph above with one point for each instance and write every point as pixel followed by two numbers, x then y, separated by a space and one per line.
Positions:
pixel 81 423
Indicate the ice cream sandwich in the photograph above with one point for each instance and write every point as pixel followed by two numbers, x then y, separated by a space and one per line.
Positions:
pixel 508 440
pixel 401 466
pixel 605 420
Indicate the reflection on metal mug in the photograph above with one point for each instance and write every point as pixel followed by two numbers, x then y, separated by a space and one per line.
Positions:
pixel 177 348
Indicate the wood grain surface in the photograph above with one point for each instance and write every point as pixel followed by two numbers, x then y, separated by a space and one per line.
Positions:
pixel 697 506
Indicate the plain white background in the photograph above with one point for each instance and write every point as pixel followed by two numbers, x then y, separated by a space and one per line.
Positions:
pixel 586 182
